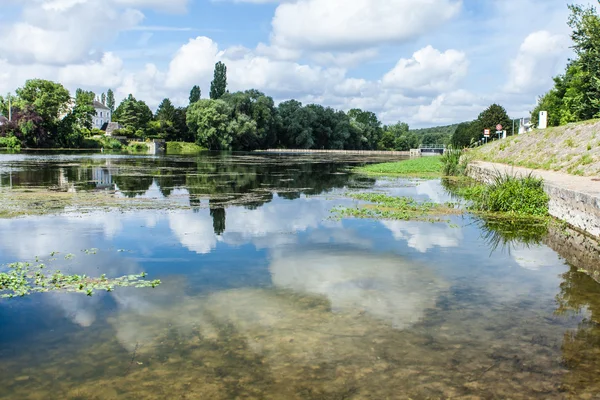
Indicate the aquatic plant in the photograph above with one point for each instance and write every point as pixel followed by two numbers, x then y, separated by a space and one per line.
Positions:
pixel 422 167
pixel 390 207
pixel 23 278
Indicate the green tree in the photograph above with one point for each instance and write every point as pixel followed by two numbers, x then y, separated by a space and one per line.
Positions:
pixel 492 116
pixel 83 111
pixel 209 120
pixel 252 105
pixel 465 134
pixel 110 100
pixel 49 99
pixel 369 127
pixel 195 94
pixel 181 132
pixel 391 134
pixel 103 98
pixel 218 87
pixel 134 115
pixel 295 125
pixel 165 111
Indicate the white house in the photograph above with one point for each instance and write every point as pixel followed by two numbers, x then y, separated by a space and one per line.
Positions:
pixel 3 120
pixel 103 115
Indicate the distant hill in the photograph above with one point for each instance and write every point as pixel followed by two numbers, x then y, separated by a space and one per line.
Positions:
pixel 444 130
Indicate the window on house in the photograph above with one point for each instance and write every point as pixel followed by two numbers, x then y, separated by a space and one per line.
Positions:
pixel 100 113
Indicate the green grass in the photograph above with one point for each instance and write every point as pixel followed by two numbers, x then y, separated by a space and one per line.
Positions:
pixel 522 196
pixel 422 167
pixel 183 148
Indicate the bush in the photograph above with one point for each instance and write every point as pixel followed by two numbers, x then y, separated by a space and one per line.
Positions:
pixel 454 162
pixel 10 142
pixel 507 193
pixel 137 146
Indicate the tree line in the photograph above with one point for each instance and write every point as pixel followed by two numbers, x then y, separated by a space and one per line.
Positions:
pixel 43 114
pixel 576 93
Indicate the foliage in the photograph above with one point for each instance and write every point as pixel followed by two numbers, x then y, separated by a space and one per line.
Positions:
pixel 576 93
pixel 24 278
pixel 133 114
pixel 137 147
pixel 465 134
pixel 195 94
pixel 209 120
pixel 252 120
pixel 49 99
pixel 165 111
pixel 454 162
pixel 183 148
pixel 110 100
pixel 218 87
pixel 422 167
pixel 509 194
pixel 10 142
pixel 447 130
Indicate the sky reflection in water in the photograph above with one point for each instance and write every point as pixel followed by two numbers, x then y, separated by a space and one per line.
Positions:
pixel 274 299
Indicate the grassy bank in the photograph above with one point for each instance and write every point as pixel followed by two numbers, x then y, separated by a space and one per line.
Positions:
pixel 572 149
pixel 422 167
pixel 183 148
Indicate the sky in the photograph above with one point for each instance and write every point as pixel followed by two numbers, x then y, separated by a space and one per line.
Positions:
pixel 424 62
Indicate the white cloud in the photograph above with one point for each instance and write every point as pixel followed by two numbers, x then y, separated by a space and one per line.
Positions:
pixel 62 32
pixel 538 60
pixel 429 70
pixel 342 24
pixel 425 236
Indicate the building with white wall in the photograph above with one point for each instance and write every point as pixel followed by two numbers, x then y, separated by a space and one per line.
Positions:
pixel 103 115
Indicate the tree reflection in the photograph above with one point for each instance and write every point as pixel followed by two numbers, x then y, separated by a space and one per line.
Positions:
pixel 580 295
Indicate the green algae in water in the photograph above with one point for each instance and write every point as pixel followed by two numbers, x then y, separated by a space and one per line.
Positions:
pixel 382 206
pixel 24 278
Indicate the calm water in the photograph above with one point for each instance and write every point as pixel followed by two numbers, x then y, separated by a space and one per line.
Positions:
pixel 265 296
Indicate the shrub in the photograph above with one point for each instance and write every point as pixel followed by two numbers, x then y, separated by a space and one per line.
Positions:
pixel 507 193
pixel 454 162
pixel 10 142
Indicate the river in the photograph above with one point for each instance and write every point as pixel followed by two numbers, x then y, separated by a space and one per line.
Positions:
pixel 265 294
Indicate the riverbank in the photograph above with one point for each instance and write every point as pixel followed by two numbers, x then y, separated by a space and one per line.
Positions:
pixel 573 199
pixel 572 149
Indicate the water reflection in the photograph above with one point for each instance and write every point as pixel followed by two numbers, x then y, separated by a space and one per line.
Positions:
pixel 265 297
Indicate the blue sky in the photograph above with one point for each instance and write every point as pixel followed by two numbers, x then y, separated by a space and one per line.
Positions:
pixel 425 62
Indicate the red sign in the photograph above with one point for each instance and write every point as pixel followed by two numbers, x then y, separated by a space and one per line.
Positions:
pixel 498 127
pixel 486 133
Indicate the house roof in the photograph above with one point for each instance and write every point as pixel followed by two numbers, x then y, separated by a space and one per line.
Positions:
pixel 97 104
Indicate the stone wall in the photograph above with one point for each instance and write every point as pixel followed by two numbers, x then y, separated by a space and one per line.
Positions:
pixel 577 249
pixel 577 209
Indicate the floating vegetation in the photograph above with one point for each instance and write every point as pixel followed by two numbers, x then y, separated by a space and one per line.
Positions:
pixel 396 208
pixel 422 167
pixel 23 278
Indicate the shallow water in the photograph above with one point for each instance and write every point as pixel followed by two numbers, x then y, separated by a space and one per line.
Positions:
pixel 265 296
